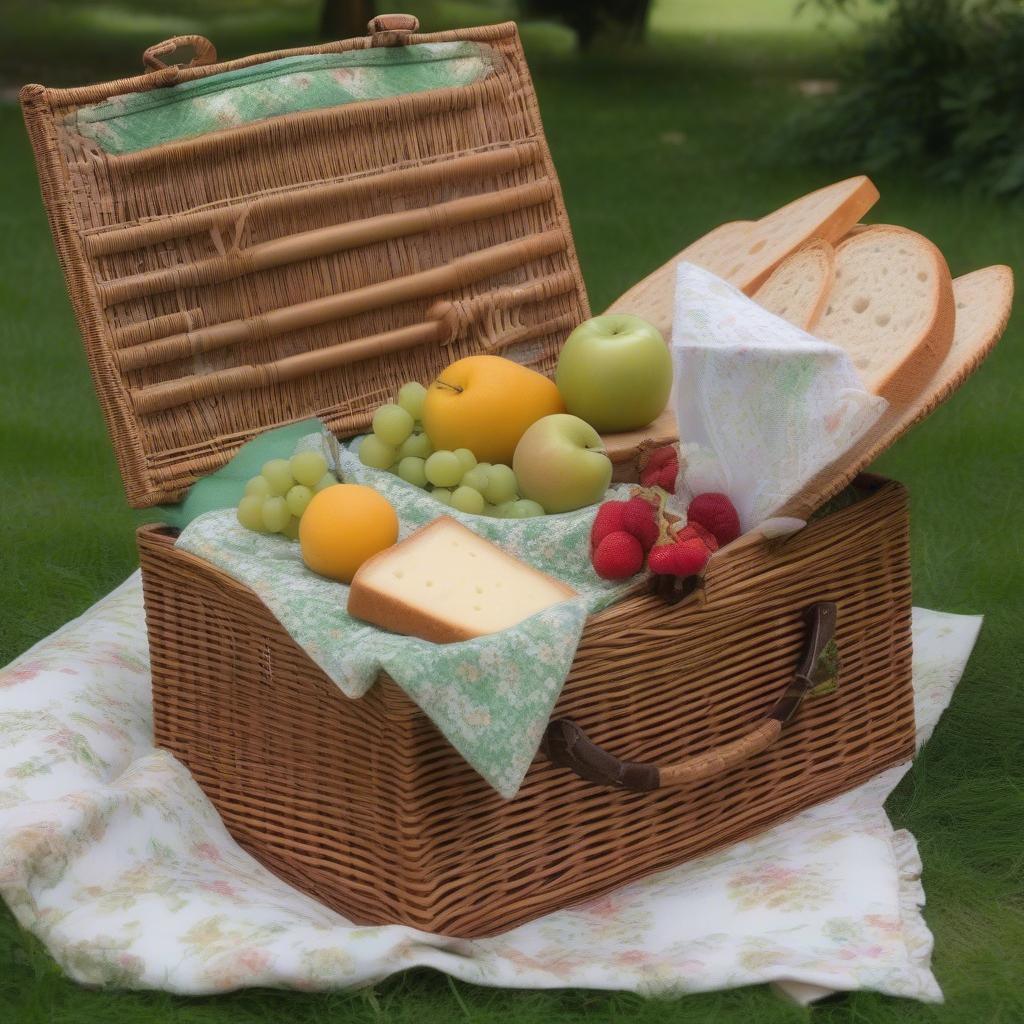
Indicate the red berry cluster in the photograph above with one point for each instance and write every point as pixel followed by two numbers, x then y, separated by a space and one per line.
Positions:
pixel 624 532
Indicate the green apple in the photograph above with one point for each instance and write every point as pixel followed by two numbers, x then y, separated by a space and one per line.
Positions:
pixel 560 463
pixel 615 372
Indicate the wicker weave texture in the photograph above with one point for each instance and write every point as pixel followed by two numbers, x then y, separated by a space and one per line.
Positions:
pixel 301 265
pixel 365 806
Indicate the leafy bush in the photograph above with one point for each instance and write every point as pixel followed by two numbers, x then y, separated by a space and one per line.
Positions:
pixel 937 82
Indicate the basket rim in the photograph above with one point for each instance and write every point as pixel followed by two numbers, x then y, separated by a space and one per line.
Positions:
pixel 145 81
pixel 633 604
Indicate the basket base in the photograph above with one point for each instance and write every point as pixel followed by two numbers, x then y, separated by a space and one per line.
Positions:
pixel 363 804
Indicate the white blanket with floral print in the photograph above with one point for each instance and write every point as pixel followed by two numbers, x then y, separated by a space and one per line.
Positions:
pixel 113 857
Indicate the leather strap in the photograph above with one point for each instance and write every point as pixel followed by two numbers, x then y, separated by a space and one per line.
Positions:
pixel 567 746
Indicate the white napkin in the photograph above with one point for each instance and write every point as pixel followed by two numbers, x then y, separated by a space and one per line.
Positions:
pixel 762 405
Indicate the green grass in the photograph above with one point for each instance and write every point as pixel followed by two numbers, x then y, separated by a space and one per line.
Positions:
pixel 653 148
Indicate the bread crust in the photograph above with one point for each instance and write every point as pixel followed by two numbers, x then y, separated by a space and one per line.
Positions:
pixel 906 379
pixel 653 297
pixel 399 616
pixel 822 258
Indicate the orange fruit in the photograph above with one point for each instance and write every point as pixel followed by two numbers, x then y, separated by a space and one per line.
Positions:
pixel 342 527
pixel 485 404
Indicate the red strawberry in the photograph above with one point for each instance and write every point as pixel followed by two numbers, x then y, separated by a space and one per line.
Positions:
pixel 685 557
pixel 715 512
pixel 661 469
pixel 608 520
pixel 640 518
pixel 691 530
pixel 618 556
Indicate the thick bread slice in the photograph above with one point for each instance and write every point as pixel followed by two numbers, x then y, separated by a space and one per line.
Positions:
pixel 983 301
pixel 444 583
pixel 747 257
pixel 654 296
pixel 799 286
pixel 891 309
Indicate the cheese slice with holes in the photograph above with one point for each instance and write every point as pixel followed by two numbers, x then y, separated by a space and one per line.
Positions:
pixel 444 584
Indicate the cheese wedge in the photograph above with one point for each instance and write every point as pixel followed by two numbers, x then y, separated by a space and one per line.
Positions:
pixel 444 584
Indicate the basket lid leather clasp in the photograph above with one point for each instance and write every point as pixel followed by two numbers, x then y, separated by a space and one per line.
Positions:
pixel 155 57
pixel 392 29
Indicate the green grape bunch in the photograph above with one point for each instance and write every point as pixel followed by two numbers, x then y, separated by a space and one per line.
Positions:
pixel 399 444
pixel 274 501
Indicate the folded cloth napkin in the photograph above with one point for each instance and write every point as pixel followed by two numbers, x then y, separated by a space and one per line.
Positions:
pixel 111 855
pixel 224 488
pixel 491 697
pixel 762 405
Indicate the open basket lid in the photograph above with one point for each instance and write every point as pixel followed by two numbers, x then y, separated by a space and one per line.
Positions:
pixel 367 212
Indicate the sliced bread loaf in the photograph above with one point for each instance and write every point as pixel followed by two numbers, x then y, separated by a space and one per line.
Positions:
pixel 799 286
pixel 983 300
pixel 827 213
pixel 891 308
pixel 745 253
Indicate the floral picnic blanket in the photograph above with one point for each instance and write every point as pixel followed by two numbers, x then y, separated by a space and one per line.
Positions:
pixel 113 857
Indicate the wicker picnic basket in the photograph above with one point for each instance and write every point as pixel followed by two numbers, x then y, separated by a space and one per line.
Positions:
pixel 308 265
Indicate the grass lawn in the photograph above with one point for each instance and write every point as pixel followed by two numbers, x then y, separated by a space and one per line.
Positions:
pixel 653 148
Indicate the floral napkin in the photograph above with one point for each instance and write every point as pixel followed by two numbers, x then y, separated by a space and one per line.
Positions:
pixel 762 405
pixel 491 697
pixel 111 855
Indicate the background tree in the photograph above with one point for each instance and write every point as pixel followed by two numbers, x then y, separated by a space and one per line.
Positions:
pixel 343 19
pixel 935 84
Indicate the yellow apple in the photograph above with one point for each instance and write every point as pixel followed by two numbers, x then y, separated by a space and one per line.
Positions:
pixel 561 464
pixel 486 404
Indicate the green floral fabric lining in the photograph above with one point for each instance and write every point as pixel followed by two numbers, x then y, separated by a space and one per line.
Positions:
pixel 140 120
pixel 492 696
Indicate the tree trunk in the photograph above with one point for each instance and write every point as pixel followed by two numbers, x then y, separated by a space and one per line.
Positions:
pixel 343 19
pixel 639 28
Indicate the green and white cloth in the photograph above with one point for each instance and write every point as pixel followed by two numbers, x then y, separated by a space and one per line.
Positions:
pixel 290 85
pixel 491 697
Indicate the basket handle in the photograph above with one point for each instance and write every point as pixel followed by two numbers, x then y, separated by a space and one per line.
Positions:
pixel 392 29
pixel 566 745
pixel 204 52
